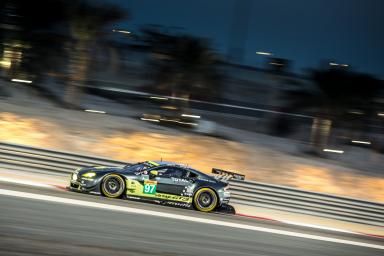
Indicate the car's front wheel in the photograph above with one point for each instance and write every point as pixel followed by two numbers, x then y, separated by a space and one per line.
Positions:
pixel 113 186
pixel 205 200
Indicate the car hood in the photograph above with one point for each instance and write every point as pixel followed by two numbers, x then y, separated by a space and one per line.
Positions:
pixel 100 169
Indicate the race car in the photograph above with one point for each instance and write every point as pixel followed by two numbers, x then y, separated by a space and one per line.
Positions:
pixel 162 182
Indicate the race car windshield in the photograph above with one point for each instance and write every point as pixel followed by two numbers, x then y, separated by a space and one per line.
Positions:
pixel 136 167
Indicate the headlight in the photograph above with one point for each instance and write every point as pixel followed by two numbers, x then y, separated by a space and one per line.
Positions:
pixel 226 189
pixel 89 175
pixel 74 176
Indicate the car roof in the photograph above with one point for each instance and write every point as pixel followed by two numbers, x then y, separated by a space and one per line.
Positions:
pixel 168 163
pixel 161 163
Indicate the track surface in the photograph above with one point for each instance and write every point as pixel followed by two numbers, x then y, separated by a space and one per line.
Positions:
pixel 36 227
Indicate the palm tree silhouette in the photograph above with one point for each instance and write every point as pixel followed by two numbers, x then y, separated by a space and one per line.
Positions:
pixel 338 93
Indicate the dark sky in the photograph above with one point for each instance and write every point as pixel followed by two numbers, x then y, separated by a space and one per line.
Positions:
pixel 305 31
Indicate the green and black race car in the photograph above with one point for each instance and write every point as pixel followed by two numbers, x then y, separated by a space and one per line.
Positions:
pixel 158 181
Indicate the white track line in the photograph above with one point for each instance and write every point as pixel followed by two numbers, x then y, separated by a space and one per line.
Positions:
pixel 318 227
pixel 25 182
pixel 301 224
pixel 36 184
pixel 125 209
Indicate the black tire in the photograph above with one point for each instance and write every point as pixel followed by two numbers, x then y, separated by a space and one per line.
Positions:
pixel 226 208
pixel 205 200
pixel 113 186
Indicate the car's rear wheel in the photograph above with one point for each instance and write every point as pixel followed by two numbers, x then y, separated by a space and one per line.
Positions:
pixel 113 186
pixel 205 200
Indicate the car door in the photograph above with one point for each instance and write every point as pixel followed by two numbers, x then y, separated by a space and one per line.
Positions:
pixel 172 180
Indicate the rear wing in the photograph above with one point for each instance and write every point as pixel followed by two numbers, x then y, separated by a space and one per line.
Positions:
pixel 227 175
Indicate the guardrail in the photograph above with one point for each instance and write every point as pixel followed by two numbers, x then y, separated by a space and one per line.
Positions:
pixel 25 158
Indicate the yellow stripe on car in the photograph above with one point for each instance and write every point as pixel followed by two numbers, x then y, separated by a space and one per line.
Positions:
pixel 153 163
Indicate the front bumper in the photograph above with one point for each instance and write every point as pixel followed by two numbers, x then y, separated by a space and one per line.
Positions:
pixel 75 185
pixel 82 184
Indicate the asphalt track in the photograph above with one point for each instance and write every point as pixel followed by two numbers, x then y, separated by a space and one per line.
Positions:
pixel 42 221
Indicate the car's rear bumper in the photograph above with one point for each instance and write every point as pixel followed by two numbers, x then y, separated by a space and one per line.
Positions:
pixel 224 197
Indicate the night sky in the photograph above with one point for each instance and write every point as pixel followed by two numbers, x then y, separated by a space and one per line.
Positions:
pixel 305 31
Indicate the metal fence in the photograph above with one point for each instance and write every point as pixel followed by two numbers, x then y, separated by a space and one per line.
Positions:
pixel 31 159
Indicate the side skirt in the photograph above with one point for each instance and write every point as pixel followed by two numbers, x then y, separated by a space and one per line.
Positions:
pixel 157 201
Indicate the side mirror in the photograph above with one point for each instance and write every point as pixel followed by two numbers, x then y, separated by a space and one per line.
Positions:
pixel 154 173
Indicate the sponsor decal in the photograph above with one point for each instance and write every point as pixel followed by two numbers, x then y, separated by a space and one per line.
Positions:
pixel 180 180
pixel 173 197
pixel 179 204
pixel 150 187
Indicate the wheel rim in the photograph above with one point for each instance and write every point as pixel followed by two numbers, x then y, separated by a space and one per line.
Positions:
pixel 205 200
pixel 113 186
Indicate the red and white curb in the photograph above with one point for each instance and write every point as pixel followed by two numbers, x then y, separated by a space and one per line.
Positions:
pixel 245 215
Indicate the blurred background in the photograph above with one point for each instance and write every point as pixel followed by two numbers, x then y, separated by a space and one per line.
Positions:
pixel 285 92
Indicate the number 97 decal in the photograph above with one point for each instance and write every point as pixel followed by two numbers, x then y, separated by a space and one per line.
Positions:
pixel 150 187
